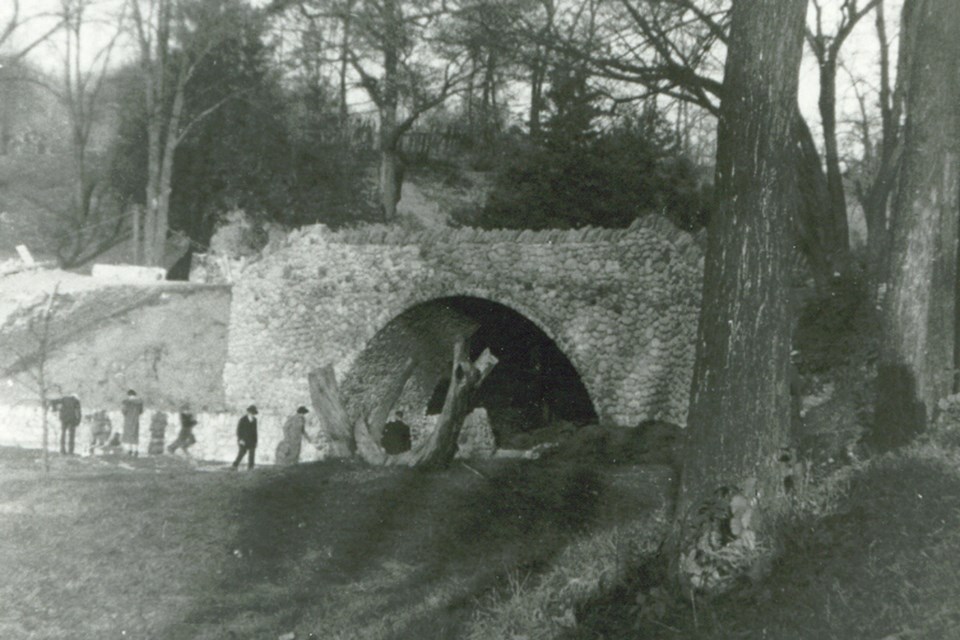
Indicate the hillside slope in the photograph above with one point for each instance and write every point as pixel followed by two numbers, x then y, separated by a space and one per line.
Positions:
pixel 168 341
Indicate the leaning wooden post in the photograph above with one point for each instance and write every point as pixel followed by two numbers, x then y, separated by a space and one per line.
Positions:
pixel 325 397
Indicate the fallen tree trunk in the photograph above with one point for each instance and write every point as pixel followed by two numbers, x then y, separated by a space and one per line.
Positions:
pixel 325 396
pixel 439 448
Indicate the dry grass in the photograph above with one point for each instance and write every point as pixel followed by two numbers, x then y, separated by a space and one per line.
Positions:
pixel 164 551
pixel 885 565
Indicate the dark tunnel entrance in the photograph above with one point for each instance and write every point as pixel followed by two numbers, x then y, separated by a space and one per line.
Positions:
pixel 533 386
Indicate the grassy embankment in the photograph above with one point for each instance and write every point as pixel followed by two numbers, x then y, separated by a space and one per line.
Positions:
pixel 533 550
pixel 158 549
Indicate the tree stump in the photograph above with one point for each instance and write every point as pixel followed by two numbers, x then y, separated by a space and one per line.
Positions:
pixel 439 448
pixel 325 397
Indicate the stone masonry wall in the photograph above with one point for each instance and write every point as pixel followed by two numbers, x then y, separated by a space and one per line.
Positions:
pixel 621 304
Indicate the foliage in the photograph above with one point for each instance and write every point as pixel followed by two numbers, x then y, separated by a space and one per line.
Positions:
pixel 835 350
pixel 836 327
pixel 271 150
pixel 578 177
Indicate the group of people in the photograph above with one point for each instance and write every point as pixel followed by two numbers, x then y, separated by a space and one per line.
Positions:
pixel 70 412
pixel 396 433
pixel 288 449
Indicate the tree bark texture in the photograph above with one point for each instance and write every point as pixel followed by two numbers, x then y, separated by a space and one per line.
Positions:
pixel 325 397
pixel 740 402
pixel 918 363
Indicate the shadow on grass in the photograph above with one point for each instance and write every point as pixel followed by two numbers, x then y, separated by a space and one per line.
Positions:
pixel 400 537
pixel 885 565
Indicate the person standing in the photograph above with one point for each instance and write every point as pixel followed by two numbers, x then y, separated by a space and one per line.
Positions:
pixel 68 408
pixel 185 438
pixel 294 431
pixel 247 438
pixel 132 408
pixel 158 433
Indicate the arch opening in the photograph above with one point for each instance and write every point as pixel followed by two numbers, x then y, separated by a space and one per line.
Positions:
pixel 533 386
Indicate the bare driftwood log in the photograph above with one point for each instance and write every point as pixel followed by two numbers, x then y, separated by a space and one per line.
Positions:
pixel 439 448
pixel 325 396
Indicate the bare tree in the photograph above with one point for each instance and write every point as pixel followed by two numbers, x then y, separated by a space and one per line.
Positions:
pixel 397 50
pixel 173 38
pixel 826 48
pixel 12 54
pixel 16 21
pixel 874 171
pixel 33 356
pixel 676 48
pixel 89 226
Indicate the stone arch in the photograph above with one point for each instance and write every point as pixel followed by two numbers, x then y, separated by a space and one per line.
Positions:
pixel 537 383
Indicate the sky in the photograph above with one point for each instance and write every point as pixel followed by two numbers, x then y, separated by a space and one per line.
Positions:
pixel 859 53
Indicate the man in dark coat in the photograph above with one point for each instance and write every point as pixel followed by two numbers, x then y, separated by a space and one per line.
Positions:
pixel 68 408
pixel 247 438
pixel 185 438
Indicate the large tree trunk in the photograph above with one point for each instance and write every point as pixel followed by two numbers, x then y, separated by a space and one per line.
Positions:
pixel 325 397
pixel 438 449
pixel 918 362
pixel 739 417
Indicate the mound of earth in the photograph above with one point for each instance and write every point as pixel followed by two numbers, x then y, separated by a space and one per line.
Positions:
pixel 652 442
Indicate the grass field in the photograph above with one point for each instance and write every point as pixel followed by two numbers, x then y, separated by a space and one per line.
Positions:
pixel 157 548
